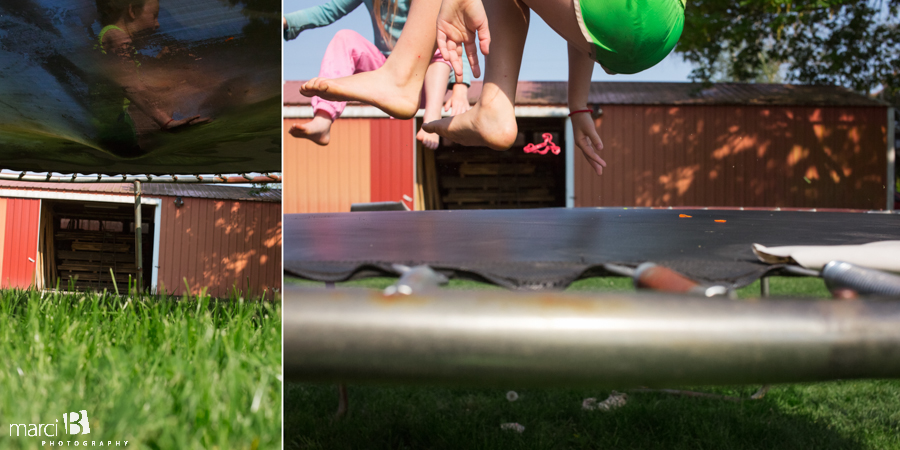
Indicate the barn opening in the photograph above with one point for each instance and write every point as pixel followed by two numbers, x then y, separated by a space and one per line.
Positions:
pixel 85 244
pixel 458 177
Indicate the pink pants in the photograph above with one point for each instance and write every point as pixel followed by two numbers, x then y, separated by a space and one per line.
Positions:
pixel 349 53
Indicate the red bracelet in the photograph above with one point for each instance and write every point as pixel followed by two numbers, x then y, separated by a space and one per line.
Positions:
pixel 581 111
pixel 166 126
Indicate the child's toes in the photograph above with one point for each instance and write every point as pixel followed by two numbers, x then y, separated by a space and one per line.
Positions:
pixel 312 85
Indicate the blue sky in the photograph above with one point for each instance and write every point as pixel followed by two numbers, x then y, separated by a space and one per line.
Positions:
pixel 544 58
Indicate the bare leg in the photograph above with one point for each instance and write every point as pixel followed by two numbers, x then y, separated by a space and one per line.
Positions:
pixel 317 130
pixel 343 402
pixel 560 15
pixel 492 121
pixel 435 89
pixel 396 87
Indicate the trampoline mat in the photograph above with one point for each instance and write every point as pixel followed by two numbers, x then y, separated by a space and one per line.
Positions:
pixel 550 248
pixel 63 97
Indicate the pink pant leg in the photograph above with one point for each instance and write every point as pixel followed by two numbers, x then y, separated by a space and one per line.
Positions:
pixel 348 53
pixel 438 58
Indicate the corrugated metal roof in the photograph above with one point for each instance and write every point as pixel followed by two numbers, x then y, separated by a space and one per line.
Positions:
pixel 640 93
pixel 212 191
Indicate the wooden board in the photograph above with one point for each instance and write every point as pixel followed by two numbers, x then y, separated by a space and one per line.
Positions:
pixel 495 182
pixel 468 169
pixel 94 256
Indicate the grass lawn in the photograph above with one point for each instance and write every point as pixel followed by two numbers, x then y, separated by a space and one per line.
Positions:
pixel 161 373
pixel 835 415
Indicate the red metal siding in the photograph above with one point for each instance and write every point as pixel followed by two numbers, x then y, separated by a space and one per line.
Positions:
pixel 392 160
pixel 752 156
pixel 220 244
pixel 329 178
pixel 2 233
pixel 21 240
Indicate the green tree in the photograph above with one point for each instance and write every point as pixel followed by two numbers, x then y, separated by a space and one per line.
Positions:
pixel 849 43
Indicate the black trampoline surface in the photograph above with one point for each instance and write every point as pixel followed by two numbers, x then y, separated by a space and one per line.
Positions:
pixel 550 248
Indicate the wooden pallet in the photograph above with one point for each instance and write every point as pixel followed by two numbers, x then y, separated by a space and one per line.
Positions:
pixel 496 182
pixel 470 169
pixel 93 277
pixel 85 258
pixel 523 196
pixel 95 256
pixel 92 268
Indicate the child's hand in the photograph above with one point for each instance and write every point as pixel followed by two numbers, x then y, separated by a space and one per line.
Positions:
pixel 457 24
pixel 588 141
pixel 458 102
pixel 173 125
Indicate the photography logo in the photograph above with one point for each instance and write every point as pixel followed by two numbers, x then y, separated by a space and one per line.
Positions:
pixel 77 422
pixel 75 425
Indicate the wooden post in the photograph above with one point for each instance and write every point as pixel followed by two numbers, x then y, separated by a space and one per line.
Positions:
pixel 137 238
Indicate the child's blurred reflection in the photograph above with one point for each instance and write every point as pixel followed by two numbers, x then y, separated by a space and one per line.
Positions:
pixel 123 21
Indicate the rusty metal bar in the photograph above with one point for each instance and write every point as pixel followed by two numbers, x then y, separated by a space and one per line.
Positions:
pixel 192 179
pixel 658 278
pixel 616 340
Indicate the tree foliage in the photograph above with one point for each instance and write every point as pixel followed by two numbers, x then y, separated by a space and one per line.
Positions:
pixel 844 42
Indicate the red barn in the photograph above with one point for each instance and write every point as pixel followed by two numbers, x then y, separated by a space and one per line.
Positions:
pixel 666 144
pixel 213 236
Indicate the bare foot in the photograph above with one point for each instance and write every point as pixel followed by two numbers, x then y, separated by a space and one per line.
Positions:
pixel 490 124
pixel 394 96
pixel 317 130
pixel 429 140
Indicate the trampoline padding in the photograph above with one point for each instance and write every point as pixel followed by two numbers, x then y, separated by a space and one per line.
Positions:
pixel 550 248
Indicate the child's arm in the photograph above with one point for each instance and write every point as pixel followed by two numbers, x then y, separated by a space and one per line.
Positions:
pixel 317 16
pixel 457 24
pixel 586 138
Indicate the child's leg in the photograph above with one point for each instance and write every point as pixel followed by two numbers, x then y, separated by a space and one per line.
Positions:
pixel 560 16
pixel 347 53
pixel 492 121
pixel 435 89
pixel 394 88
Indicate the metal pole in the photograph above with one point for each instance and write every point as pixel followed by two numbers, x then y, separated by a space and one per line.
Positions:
pixel 137 237
pixel 570 163
pixel 891 157
pixel 618 340
pixel 764 286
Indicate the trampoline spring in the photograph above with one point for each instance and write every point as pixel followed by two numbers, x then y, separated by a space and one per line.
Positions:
pixel 840 275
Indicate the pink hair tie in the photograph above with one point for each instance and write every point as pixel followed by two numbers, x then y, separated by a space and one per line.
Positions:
pixel 543 147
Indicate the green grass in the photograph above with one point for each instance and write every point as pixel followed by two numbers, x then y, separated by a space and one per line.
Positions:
pixel 835 415
pixel 778 287
pixel 161 373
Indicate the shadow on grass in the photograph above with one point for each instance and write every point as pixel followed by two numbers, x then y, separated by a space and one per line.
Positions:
pixel 439 418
